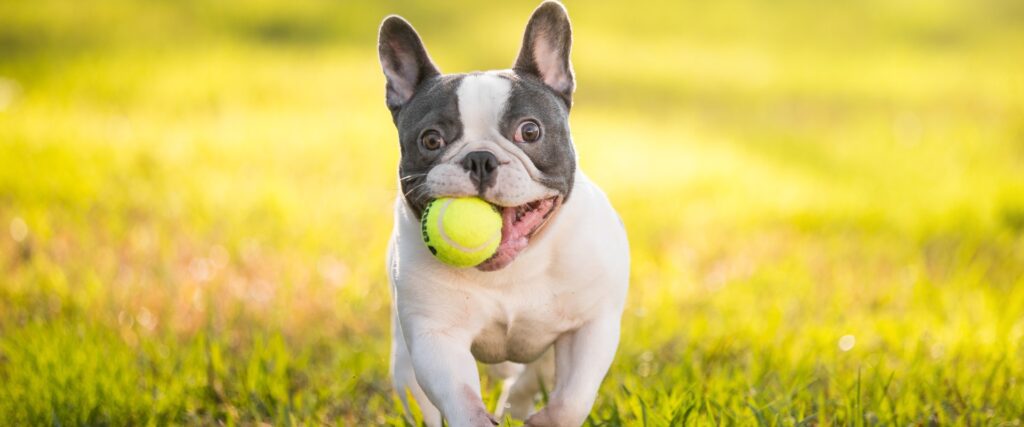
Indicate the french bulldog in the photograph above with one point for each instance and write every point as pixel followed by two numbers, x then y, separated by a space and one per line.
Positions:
pixel 544 311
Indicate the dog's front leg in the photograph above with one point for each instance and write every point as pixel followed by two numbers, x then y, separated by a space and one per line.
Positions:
pixel 582 358
pixel 447 372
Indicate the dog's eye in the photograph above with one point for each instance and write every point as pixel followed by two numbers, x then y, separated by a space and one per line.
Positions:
pixel 529 131
pixel 431 140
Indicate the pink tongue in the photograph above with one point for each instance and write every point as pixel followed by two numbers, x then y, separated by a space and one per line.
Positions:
pixel 513 240
pixel 514 235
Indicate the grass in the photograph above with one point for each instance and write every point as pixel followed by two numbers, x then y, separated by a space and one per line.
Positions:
pixel 825 204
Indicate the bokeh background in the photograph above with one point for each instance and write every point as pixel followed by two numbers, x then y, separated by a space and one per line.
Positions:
pixel 825 202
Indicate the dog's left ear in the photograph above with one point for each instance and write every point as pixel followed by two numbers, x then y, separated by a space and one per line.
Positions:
pixel 545 51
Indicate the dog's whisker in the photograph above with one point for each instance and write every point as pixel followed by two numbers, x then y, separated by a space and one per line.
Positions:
pixel 414 188
pixel 413 176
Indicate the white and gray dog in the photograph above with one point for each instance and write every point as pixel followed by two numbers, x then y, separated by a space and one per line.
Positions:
pixel 560 275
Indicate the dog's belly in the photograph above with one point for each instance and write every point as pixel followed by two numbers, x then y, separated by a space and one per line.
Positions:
pixel 521 342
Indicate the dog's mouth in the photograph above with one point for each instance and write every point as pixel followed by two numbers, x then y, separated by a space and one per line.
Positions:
pixel 518 225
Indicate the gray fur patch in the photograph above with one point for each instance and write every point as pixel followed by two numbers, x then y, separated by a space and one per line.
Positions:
pixel 553 154
pixel 435 106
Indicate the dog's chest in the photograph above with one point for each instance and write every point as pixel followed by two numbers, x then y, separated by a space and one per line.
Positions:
pixel 523 325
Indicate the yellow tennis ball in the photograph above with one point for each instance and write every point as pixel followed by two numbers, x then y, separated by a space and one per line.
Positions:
pixel 462 232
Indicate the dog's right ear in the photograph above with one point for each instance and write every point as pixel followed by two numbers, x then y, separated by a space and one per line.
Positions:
pixel 404 59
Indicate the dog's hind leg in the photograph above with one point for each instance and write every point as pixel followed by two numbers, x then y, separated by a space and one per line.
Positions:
pixel 404 380
pixel 523 393
pixel 508 372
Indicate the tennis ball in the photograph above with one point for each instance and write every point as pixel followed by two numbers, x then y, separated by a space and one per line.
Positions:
pixel 462 232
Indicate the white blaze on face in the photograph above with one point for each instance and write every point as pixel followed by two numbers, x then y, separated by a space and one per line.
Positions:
pixel 482 100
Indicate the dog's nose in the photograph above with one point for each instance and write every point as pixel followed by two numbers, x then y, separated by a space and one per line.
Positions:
pixel 481 166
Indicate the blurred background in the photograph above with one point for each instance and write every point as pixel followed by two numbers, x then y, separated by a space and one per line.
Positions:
pixel 825 202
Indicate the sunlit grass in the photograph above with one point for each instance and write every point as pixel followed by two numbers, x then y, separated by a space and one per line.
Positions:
pixel 825 205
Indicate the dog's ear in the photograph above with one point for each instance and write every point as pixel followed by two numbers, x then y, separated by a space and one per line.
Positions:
pixel 545 51
pixel 404 59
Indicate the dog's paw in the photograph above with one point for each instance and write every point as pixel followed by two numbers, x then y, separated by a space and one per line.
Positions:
pixel 540 419
pixel 545 418
pixel 555 415
pixel 484 419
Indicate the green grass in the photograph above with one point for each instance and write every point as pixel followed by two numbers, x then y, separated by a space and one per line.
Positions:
pixel 195 199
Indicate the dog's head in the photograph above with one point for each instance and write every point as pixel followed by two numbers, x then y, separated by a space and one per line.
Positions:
pixel 502 136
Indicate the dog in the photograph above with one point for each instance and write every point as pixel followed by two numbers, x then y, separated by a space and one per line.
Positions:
pixel 545 310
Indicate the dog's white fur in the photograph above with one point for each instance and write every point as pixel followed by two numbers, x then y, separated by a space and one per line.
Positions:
pixel 566 291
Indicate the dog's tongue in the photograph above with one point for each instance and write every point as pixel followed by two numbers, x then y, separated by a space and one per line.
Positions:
pixel 515 234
